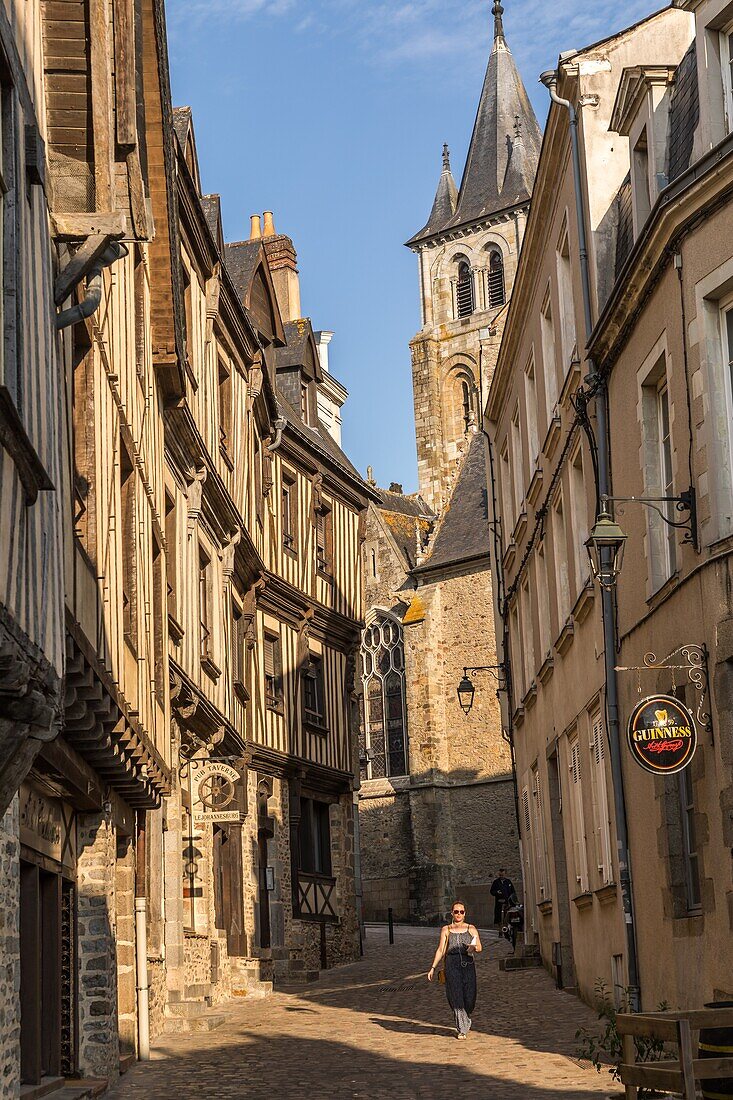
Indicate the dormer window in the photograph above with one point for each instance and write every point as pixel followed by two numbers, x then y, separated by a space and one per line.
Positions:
pixel 640 181
pixel 464 290
pixel 304 402
pixel 495 289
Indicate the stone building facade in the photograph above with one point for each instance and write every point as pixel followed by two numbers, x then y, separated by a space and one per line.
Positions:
pixel 176 796
pixel 655 124
pixel 437 806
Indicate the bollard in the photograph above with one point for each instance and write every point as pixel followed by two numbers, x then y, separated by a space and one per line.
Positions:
pixel 390 921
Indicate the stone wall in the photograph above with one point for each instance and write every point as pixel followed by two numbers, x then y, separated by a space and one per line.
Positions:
pixel 197 956
pixel 9 954
pixel 99 1052
pixel 157 995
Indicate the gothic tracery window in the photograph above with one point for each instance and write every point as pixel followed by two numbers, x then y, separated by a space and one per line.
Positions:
pixel 495 290
pixel 384 721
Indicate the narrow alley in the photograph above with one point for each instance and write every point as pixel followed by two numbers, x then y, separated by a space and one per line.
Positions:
pixel 377 1029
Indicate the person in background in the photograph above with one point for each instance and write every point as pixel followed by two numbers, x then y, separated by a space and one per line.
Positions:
pixel 459 942
pixel 503 893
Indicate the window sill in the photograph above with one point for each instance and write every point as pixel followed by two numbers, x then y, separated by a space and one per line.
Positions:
pixel 584 900
pixel 552 438
pixel 664 590
pixel 572 379
pixel 315 726
pixel 530 698
pixel 175 629
pixel 535 485
pixel 241 692
pixel 565 639
pixel 325 575
pixel 519 528
pixel 509 554
pixel 584 601
pixel 275 708
pixel 210 667
pixel 547 668
pixel 518 717
pixel 290 552
pixel 545 907
pixel 606 894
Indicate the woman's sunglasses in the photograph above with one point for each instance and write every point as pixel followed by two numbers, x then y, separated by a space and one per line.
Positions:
pixel 459 911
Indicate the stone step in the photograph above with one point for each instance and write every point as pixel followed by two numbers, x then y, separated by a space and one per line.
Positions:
pixel 182 1025
pixel 188 1009
pixel 59 1088
pixel 520 962
pixel 252 989
pixel 196 992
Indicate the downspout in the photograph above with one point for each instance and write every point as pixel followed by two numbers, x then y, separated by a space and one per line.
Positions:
pixel 599 389
pixel 90 304
pixel 141 945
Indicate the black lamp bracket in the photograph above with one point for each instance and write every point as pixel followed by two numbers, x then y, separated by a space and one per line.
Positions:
pixel 685 502
pixel 497 671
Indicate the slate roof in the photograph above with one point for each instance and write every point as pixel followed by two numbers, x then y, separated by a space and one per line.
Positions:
pixel 182 123
pixel 319 437
pixel 241 258
pixel 299 335
pixel 463 530
pixel 505 146
pixel 211 206
pixel 444 204
pixel 684 112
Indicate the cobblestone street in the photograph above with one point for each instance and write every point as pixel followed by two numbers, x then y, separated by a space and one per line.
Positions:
pixel 377 1029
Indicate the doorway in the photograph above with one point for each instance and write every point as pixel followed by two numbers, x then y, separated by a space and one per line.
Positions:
pixel 47 974
pixel 563 959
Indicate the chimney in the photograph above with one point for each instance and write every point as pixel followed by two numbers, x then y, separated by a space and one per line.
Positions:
pixel 283 261
pixel 255 231
pixel 323 339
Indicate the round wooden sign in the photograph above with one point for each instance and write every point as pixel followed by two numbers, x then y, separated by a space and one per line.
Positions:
pixel 662 734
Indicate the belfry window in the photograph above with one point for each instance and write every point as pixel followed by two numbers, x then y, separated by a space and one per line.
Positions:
pixel 384 731
pixel 495 291
pixel 467 408
pixel 464 290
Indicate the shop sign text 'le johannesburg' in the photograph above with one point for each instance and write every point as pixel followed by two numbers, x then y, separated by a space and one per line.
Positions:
pixel 661 734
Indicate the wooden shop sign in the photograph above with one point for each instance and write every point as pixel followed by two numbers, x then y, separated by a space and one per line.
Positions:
pixel 216 793
pixel 661 734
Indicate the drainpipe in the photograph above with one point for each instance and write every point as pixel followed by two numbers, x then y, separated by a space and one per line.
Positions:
pixel 90 304
pixel 549 79
pixel 141 946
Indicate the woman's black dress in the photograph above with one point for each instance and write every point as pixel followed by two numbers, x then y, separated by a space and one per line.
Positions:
pixel 460 979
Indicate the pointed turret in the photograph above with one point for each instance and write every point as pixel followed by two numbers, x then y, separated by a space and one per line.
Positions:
pixel 505 145
pixel 444 204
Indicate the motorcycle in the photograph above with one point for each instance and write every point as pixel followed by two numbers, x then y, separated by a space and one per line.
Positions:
pixel 513 924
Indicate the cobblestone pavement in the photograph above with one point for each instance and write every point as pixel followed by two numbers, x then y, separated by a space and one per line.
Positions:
pixel 377 1029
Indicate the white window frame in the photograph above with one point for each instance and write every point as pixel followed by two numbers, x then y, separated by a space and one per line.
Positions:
pixel 543 603
pixel 530 400
pixel 658 471
pixel 507 494
pixel 549 356
pixel 725 39
pixel 560 555
pixel 527 849
pixel 568 335
pixel 527 633
pixel 542 864
pixel 517 463
pixel 579 513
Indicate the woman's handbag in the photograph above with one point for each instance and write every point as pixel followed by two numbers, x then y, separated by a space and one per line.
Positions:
pixel 441 975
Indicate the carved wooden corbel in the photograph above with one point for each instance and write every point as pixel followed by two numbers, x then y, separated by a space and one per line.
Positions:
pixel 213 290
pixel 195 493
pixel 227 555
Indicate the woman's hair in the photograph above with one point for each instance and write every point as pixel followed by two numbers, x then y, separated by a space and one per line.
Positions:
pixel 456 902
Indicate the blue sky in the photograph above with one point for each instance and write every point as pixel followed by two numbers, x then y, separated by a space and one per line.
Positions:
pixel 333 113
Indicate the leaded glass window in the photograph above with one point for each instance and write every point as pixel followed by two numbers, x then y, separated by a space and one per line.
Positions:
pixel 384 742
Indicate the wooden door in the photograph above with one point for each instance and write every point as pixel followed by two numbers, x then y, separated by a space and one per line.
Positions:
pixel 40 973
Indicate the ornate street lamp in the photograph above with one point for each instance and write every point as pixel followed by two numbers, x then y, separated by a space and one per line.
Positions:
pixel 605 548
pixel 466 692
pixel 466 689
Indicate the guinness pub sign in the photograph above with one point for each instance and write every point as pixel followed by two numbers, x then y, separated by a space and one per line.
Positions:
pixel 661 734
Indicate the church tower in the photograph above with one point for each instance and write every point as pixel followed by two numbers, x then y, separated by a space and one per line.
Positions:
pixel 467 255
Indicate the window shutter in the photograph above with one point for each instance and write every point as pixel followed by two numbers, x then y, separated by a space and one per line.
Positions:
pixel 581 865
pixel 600 799
pixel 269 648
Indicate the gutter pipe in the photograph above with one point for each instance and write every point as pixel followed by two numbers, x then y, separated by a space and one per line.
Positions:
pixel 90 304
pixel 600 391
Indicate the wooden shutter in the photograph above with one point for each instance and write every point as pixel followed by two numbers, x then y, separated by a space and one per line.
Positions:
pixel 602 822
pixel 578 826
pixel 539 838
pixel 526 851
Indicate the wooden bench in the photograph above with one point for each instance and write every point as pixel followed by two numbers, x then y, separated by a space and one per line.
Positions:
pixel 677 1075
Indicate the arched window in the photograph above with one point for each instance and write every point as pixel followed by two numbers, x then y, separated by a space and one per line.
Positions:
pixel 464 290
pixel 384 721
pixel 496 294
pixel 467 406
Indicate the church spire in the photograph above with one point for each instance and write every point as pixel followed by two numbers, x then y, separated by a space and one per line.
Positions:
pixel 505 145
pixel 498 11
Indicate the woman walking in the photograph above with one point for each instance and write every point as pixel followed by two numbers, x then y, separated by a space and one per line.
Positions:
pixel 459 942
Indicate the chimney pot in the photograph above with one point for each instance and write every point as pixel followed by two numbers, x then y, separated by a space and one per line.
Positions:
pixel 255 231
pixel 268 229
